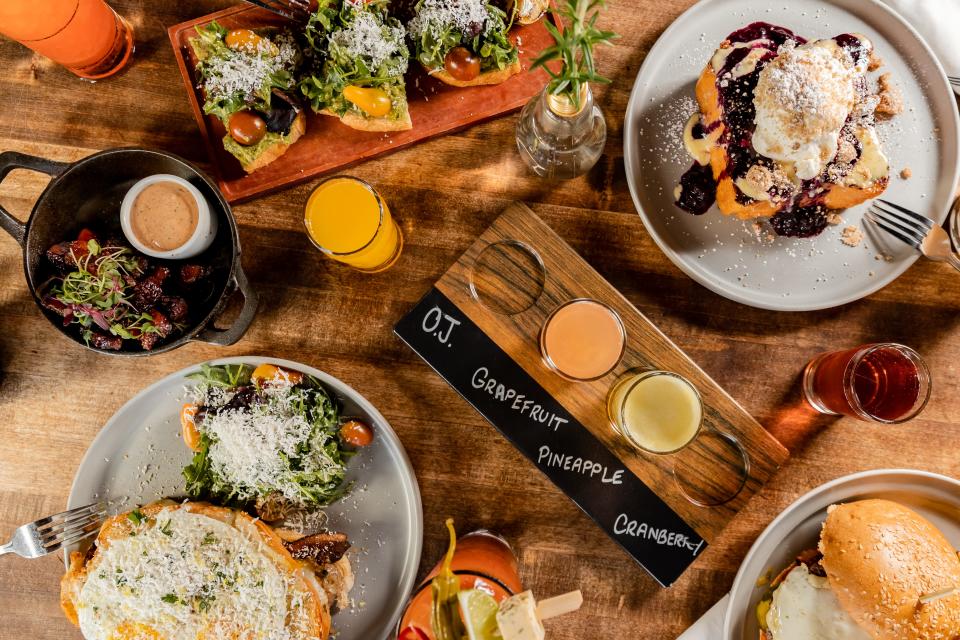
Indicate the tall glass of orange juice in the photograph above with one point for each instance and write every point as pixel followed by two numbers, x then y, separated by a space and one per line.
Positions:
pixel 482 560
pixel 85 36
pixel 348 220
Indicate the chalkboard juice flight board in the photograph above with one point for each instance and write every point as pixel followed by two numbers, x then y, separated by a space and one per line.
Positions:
pixel 479 326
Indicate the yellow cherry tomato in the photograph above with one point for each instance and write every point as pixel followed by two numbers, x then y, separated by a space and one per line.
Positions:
pixel 247 39
pixel 372 101
pixel 266 373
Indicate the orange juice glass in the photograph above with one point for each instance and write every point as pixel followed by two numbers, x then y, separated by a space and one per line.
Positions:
pixel 348 220
pixel 482 560
pixel 85 36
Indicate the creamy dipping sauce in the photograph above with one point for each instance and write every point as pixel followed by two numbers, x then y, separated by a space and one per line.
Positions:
pixel 164 216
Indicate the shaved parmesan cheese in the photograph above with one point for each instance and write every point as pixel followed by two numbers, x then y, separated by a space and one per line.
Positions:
pixel 466 16
pixel 370 40
pixel 185 575
pixel 246 70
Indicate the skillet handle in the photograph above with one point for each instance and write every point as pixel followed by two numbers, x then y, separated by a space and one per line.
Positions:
pixel 10 160
pixel 226 337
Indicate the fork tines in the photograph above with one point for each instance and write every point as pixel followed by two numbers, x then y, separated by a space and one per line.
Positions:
pixel 64 529
pixel 296 10
pixel 954 80
pixel 903 224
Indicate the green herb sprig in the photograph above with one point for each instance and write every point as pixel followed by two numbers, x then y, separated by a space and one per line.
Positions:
pixel 574 48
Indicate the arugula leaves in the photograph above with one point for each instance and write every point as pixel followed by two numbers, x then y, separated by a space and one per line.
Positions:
pixel 491 44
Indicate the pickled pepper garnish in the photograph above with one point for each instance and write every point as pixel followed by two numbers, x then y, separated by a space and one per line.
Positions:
pixel 445 613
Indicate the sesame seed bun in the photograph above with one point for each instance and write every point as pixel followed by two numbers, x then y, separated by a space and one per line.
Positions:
pixel 880 558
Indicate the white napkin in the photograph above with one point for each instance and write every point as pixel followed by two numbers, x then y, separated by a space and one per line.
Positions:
pixel 938 21
pixel 710 625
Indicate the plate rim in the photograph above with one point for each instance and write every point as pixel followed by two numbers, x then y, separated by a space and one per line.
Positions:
pixel 629 144
pixel 775 529
pixel 414 550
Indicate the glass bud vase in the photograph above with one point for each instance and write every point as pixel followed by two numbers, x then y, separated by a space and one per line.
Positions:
pixel 557 140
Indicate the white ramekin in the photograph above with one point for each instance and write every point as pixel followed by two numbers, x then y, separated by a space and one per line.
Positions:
pixel 202 236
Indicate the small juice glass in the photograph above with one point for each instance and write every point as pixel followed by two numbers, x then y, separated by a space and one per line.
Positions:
pixel 482 560
pixel 348 220
pixel 656 411
pixel 583 340
pixel 883 382
pixel 85 36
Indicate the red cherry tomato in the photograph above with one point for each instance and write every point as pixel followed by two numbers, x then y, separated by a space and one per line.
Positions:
pixel 412 633
pixel 356 433
pixel 461 64
pixel 247 128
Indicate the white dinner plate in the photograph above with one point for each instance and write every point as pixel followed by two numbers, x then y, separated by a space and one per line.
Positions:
pixel 933 496
pixel 139 455
pixel 723 253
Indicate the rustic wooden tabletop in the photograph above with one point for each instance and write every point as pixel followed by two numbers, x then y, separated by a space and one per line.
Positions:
pixel 55 396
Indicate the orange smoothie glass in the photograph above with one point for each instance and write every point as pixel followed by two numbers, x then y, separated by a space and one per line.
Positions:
pixel 482 560
pixel 582 340
pixel 85 36
pixel 348 220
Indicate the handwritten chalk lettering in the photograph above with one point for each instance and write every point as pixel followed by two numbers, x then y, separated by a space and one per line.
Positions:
pixel 432 321
pixel 575 464
pixel 518 402
pixel 624 526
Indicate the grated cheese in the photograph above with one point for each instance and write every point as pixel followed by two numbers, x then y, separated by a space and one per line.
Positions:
pixel 248 445
pixel 370 40
pixel 436 15
pixel 244 71
pixel 185 575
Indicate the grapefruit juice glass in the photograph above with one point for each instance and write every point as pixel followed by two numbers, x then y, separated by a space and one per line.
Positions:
pixel 482 560
pixel 348 220
pixel 85 36
pixel 884 382
pixel 582 340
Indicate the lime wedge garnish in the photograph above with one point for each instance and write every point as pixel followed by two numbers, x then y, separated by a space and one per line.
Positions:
pixel 479 611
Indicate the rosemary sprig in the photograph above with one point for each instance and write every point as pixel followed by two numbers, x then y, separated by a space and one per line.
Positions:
pixel 574 47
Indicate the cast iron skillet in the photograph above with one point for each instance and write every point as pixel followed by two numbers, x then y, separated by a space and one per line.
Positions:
pixel 87 193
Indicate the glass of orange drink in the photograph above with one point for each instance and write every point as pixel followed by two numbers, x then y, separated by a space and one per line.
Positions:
pixel 482 560
pixel 85 36
pixel 348 220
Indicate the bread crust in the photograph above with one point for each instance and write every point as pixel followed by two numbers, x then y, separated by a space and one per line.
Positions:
pixel 317 608
pixel 274 151
pixel 880 557
pixel 485 78
pixel 355 121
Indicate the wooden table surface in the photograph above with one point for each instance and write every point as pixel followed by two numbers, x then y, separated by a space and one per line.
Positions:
pixel 55 396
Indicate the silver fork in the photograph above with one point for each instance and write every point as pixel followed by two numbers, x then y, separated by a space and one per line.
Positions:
pixel 49 534
pixel 296 10
pixel 918 231
pixel 954 80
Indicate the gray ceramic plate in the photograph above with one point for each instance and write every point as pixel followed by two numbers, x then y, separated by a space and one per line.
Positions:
pixel 723 253
pixel 139 455
pixel 935 497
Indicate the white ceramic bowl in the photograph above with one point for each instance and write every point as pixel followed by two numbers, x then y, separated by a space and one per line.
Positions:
pixel 202 236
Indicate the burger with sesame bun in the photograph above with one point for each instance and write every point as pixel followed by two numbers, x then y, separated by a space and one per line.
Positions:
pixel 880 572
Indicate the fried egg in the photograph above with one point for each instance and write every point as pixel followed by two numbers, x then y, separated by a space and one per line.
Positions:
pixel 804 607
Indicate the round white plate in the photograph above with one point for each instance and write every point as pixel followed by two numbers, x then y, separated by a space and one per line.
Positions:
pixel 935 497
pixel 139 455
pixel 723 253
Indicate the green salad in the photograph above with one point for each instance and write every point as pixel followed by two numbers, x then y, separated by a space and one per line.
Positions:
pixel 269 439
pixel 442 25
pixel 356 46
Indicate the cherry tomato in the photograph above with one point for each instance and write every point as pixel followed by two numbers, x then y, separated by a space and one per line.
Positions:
pixel 266 373
pixel 372 101
pixel 356 433
pixel 188 425
pixel 247 128
pixel 243 39
pixel 461 64
pixel 412 633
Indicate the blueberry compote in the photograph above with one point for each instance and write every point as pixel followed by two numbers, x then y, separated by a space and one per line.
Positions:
pixel 738 115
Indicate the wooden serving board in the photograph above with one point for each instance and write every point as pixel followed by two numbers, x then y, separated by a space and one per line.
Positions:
pixel 435 108
pixel 634 496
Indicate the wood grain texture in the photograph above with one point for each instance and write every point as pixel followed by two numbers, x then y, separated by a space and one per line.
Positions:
pixel 55 397
pixel 568 277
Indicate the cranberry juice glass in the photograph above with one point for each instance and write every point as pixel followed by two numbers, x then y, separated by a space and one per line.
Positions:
pixel 884 382
pixel 482 560
pixel 85 36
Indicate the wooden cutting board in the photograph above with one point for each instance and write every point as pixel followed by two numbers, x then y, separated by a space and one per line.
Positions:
pixel 435 109
pixel 481 322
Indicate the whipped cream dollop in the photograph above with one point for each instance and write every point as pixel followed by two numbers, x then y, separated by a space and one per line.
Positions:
pixel 802 99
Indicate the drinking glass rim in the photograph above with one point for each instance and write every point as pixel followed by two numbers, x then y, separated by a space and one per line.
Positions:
pixel 923 375
pixel 427 582
pixel 543 336
pixel 365 185
pixel 640 377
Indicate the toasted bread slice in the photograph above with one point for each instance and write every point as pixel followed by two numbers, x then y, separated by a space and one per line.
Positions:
pixel 354 121
pixel 274 151
pixel 487 77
